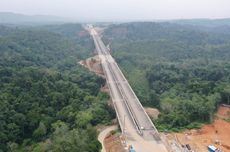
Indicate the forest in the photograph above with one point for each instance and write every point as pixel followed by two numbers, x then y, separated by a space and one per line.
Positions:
pixel 48 101
pixel 181 69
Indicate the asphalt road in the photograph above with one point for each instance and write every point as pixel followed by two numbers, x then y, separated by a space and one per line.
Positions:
pixel 137 128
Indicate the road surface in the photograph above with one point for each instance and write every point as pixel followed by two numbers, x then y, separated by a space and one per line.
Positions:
pixel 137 128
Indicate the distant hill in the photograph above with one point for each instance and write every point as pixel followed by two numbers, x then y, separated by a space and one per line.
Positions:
pixel 204 22
pixel 14 18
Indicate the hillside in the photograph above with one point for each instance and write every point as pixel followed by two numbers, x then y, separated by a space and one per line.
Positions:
pixel 182 70
pixel 47 100
pixel 15 18
pixel 204 22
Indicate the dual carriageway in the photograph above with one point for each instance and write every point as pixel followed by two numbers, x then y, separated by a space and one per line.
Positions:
pixel 136 126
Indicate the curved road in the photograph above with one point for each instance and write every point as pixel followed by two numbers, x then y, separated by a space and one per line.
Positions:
pixel 103 134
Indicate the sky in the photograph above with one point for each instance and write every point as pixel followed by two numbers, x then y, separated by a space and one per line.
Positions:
pixel 120 10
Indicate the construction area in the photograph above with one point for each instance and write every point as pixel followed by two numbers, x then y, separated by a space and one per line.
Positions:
pixel 216 134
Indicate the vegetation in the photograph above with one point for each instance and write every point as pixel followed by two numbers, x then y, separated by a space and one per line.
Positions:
pixel 75 33
pixel 183 70
pixel 48 101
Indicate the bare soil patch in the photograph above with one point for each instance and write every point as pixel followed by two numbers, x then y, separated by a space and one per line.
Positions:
pixel 113 143
pixel 216 133
pixel 93 64
pixel 152 112
pixel 223 112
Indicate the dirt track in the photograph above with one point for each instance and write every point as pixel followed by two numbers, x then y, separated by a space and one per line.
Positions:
pixel 103 134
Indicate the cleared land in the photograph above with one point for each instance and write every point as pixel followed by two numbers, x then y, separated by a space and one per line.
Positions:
pixel 217 134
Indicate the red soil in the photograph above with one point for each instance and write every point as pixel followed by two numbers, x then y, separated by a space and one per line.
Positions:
pixel 217 134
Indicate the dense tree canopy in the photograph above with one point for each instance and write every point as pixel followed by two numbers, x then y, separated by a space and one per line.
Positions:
pixel 48 101
pixel 184 70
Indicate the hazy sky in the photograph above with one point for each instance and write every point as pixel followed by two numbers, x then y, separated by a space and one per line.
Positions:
pixel 112 10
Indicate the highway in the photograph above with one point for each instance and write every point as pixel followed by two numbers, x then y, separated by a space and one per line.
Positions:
pixel 137 128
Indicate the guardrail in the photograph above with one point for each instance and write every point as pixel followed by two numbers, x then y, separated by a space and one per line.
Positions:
pixel 110 90
pixel 114 103
pixel 138 101
pixel 130 110
pixel 101 50
pixel 156 131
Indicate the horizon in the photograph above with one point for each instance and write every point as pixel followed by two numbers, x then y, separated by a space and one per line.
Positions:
pixel 66 19
pixel 116 11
